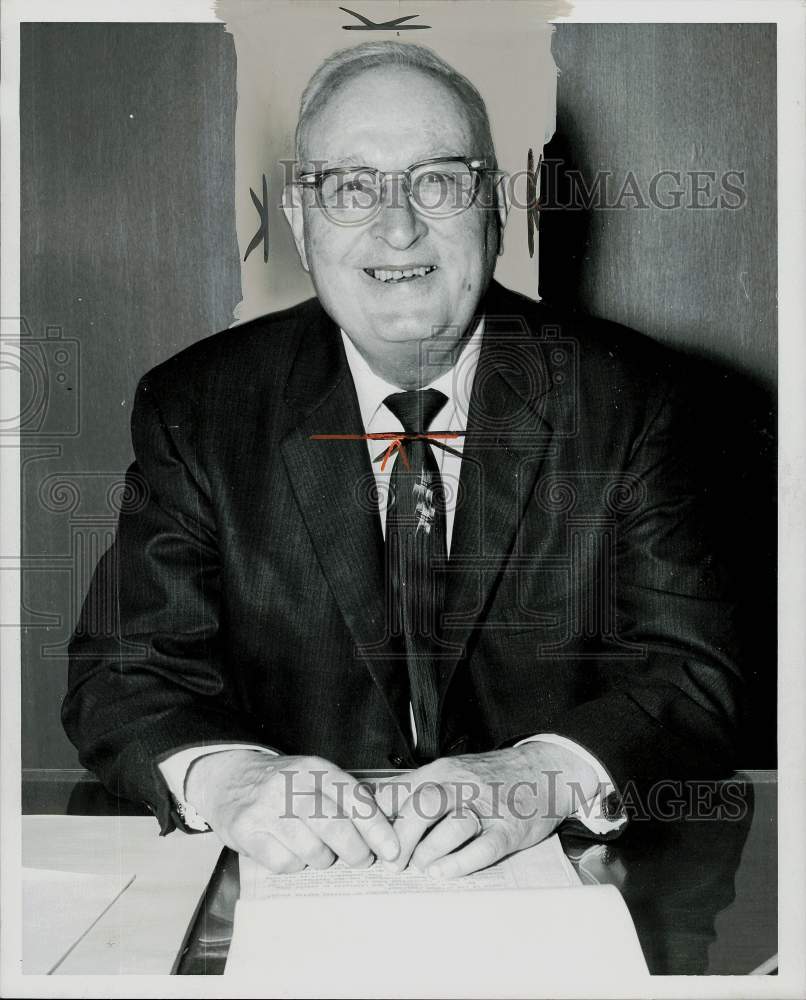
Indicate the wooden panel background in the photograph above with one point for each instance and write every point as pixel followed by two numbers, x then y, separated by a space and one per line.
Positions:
pixel 129 248
pixel 688 98
pixel 129 253
pixel 641 99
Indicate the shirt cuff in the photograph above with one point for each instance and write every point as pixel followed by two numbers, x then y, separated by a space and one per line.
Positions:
pixel 175 769
pixel 600 815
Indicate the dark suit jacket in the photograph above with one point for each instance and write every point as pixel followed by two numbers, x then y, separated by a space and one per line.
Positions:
pixel 244 598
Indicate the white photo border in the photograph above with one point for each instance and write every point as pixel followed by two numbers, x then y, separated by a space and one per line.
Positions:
pixel 790 17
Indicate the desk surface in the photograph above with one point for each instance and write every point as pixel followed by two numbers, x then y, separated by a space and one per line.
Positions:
pixel 143 930
pixel 701 885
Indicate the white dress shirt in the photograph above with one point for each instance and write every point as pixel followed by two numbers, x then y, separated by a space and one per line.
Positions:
pixel 371 391
pixel 456 384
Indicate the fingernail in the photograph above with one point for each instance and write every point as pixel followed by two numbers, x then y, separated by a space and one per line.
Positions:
pixel 390 849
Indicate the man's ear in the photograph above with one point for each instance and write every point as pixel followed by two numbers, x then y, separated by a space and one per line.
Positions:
pixel 503 204
pixel 292 209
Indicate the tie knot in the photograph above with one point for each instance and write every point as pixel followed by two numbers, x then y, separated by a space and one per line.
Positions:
pixel 416 408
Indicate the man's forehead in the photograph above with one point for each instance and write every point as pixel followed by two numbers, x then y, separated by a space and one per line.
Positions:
pixel 397 81
pixel 395 111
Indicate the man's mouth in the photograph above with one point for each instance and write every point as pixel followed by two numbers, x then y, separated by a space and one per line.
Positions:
pixel 395 275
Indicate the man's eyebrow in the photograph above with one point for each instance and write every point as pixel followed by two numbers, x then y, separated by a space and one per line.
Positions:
pixel 311 164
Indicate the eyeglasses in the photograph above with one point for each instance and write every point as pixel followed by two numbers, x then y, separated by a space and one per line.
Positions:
pixel 438 188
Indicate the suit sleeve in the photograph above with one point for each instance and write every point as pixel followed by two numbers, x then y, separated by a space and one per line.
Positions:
pixel 147 674
pixel 673 713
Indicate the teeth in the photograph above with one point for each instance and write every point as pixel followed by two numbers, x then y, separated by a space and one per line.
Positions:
pixel 411 272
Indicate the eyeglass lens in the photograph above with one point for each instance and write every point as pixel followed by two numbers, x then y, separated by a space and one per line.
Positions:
pixel 442 188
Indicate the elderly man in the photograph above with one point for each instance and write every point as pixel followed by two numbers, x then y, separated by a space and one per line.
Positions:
pixel 418 522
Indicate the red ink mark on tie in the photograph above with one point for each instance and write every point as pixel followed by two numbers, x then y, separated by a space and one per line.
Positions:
pixel 395 441
pixel 395 445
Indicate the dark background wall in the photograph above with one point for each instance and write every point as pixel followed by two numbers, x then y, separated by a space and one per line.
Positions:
pixel 699 101
pixel 128 248
pixel 692 99
pixel 129 253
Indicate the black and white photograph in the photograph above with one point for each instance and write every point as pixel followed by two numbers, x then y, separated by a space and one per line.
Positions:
pixel 402 465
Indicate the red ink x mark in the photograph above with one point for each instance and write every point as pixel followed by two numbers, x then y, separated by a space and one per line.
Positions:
pixel 395 441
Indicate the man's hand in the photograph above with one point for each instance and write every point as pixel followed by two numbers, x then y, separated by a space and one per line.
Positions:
pixel 289 812
pixel 460 814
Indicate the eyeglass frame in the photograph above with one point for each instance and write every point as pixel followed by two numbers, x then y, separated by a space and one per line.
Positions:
pixel 478 167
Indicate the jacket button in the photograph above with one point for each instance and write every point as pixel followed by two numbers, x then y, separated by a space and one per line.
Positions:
pixel 396 760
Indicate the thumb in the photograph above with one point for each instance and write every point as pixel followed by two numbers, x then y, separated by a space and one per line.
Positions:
pixel 391 793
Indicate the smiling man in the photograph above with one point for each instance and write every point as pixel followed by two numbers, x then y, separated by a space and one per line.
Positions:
pixel 418 522
pixel 397 277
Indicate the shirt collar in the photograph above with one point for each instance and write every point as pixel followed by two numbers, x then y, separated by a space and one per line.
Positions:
pixel 456 382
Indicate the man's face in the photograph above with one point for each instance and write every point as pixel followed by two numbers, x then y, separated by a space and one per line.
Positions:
pixel 389 118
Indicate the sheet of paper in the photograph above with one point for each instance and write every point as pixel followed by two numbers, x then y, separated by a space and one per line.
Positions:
pixel 543 866
pixel 58 908
pixel 373 933
pixel 494 943
pixel 141 933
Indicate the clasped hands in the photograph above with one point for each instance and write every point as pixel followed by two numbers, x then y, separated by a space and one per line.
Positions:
pixel 448 818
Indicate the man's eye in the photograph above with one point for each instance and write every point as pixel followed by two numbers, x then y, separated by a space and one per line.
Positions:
pixel 437 178
pixel 354 185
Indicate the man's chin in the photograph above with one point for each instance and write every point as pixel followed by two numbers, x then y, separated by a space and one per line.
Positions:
pixel 406 331
pixel 418 321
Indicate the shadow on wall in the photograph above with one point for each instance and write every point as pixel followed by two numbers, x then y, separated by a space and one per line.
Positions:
pixel 734 447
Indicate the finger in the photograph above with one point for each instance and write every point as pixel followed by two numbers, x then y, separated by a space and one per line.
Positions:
pixel 448 835
pixel 480 853
pixel 371 822
pixel 339 834
pixel 354 800
pixel 269 852
pixel 329 825
pixel 426 805
pixel 391 793
pixel 302 841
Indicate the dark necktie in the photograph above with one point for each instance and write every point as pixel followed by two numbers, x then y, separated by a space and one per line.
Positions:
pixel 416 551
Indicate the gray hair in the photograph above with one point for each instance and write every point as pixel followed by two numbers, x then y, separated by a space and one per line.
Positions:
pixel 345 64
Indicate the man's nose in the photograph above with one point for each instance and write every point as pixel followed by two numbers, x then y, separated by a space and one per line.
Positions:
pixel 396 222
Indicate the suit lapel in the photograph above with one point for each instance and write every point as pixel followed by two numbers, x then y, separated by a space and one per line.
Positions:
pixel 509 435
pixel 334 487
